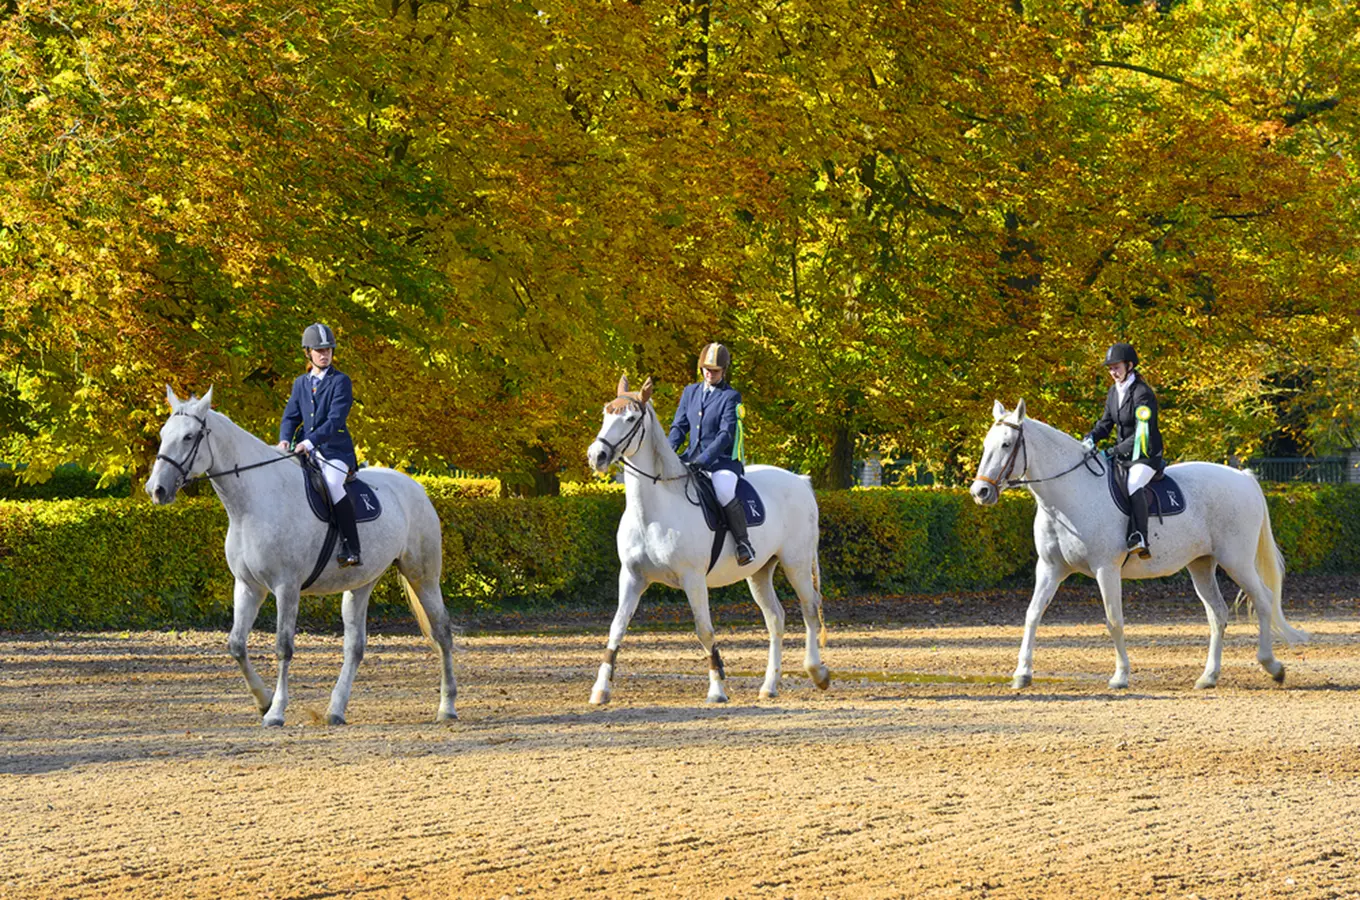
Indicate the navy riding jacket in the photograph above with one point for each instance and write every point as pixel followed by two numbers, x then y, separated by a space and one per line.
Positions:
pixel 709 420
pixel 320 416
pixel 1124 416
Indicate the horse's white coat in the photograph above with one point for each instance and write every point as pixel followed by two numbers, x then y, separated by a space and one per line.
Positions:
pixel 1079 529
pixel 273 540
pixel 664 538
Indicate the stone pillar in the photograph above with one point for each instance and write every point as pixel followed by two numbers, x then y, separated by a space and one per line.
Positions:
pixel 872 473
pixel 1353 466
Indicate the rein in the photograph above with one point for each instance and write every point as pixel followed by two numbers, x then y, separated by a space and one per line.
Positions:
pixel 183 468
pixel 1009 468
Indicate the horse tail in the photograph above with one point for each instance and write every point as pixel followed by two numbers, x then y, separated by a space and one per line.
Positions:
pixel 413 599
pixel 816 567
pixel 1270 566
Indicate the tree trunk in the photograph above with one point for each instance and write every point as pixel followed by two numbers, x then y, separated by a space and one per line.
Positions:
pixel 838 474
pixel 540 480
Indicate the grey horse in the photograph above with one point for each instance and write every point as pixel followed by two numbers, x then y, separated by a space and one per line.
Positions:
pixel 273 540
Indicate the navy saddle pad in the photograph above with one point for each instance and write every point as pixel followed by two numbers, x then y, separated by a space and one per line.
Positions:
pixel 1165 497
pixel 746 493
pixel 365 499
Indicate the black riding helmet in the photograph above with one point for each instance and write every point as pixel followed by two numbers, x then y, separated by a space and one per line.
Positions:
pixel 318 337
pixel 1121 353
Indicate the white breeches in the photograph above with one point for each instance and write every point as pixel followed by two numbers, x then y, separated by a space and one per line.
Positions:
pixel 724 485
pixel 1140 475
pixel 335 474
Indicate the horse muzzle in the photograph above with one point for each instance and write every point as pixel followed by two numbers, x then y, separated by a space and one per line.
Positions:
pixel 984 494
pixel 599 457
pixel 157 490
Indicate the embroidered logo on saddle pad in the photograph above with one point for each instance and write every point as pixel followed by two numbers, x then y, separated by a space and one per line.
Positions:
pixel 1165 497
pixel 361 494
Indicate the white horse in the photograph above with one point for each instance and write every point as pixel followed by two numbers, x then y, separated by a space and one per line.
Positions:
pixel 1078 528
pixel 663 538
pixel 273 539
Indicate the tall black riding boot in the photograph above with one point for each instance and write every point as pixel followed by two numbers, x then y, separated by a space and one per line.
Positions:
pixel 1138 524
pixel 349 534
pixel 736 523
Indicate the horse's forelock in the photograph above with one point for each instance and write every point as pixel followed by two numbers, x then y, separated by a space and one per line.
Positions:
pixel 624 402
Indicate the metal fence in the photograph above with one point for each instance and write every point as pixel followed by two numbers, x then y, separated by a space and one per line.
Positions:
pixel 1319 469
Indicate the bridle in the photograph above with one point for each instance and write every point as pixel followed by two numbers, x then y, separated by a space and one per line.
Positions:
pixel 184 468
pixel 1009 468
pixel 639 428
pixel 188 464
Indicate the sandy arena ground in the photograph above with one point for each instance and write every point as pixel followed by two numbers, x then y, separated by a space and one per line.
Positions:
pixel 134 765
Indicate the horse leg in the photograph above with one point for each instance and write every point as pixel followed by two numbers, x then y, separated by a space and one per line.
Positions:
pixel 696 589
pixel 806 584
pixel 1261 597
pixel 1206 586
pixel 287 603
pixel 420 574
pixel 761 584
pixel 245 607
pixel 1047 577
pixel 631 586
pixel 354 613
pixel 1111 591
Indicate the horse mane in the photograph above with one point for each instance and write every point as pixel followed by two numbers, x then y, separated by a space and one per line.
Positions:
pixel 1048 429
pixel 666 457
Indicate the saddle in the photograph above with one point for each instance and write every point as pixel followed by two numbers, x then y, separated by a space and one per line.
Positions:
pixel 1164 495
pixel 361 496
pixel 713 514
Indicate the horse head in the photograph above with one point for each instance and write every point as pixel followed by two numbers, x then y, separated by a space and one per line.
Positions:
pixel 999 451
pixel 181 455
pixel 624 428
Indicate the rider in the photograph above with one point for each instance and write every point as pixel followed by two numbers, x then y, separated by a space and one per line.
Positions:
pixel 709 415
pixel 318 406
pixel 1132 406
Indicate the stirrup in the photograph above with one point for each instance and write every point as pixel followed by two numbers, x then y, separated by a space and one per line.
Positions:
pixel 1138 544
pixel 346 558
pixel 745 553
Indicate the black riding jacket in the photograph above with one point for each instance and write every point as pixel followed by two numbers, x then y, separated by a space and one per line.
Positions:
pixel 1124 416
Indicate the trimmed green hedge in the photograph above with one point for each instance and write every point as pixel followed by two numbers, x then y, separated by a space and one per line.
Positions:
pixel 66 483
pixel 122 563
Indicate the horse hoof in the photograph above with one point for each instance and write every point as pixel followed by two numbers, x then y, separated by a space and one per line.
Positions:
pixel 1205 682
pixel 1278 676
pixel 335 719
pixel 1118 684
pixel 768 693
pixel 599 698
pixel 821 676
pixel 716 698
pixel 446 716
pixel 272 722
pixel 1021 681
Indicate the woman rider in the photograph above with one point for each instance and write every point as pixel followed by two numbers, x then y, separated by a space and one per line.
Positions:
pixel 1131 406
pixel 709 414
pixel 318 407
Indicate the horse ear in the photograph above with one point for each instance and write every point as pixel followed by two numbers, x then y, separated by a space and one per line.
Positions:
pixel 997 409
pixel 171 398
pixel 646 393
pixel 623 384
pixel 206 402
pixel 1020 411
